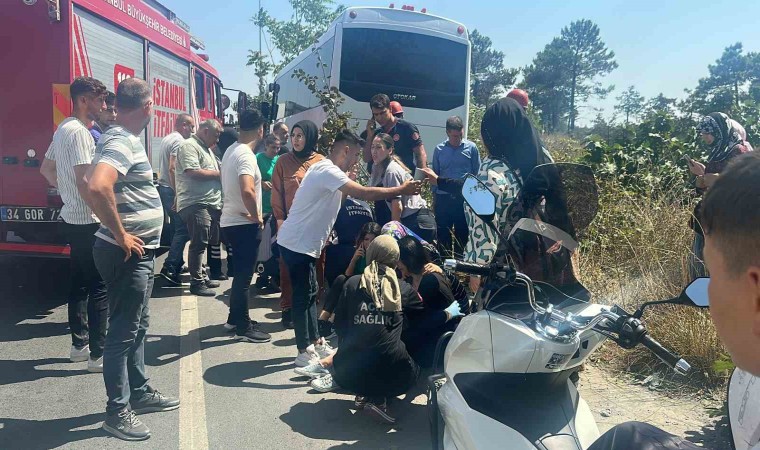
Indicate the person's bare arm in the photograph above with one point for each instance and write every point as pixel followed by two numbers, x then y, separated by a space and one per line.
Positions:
pixel 367 150
pixel 80 175
pixel 202 174
pixel 248 194
pixel 396 210
pixel 173 171
pixel 421 156
pixel 356 190
pixel 103 202
pixel 49 171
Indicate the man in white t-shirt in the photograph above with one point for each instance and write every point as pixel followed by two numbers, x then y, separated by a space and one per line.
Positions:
pixel 309 223
pixel 65 165
pixel 184 127
pixel 242 221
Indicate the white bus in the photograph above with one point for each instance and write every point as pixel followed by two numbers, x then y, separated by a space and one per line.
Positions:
pixel 420 60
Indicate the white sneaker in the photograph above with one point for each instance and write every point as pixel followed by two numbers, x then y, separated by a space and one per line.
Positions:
pixel 312 370
pixel 324 350
pixel 95 365
pixel 324 384
pixel 307 358
pixel 79 354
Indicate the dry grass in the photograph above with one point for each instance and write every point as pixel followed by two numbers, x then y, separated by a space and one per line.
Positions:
pixel 636 250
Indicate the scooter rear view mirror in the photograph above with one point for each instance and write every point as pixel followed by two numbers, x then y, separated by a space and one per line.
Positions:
pixel 479 198
pixel 696 293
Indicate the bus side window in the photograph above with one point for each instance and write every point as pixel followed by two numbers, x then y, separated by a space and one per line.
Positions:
pixel 200 90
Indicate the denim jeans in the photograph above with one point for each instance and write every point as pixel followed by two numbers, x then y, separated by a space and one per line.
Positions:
pixel 449 213
pixel 180 237
pixel 245 240
pixel 303 277
pixel 88 305
pixel 203 225
pixel 130 284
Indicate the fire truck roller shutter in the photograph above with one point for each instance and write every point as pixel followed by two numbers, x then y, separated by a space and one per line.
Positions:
pixel 104 51
pixel 170 81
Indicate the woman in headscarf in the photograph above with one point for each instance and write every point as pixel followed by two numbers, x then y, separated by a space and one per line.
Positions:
pixel 372 361
pixel 726 139
pixel 514 149
pixel 286 178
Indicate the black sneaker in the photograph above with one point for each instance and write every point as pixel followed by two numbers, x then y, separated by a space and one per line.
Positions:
pixel 219 276
pixel 201 290
pixel 184 269
pixel 171 277
pixel 287 319
pixel 326 329
pixel 126 425
pixel 154 401
pixel 253 334
pixel 212 284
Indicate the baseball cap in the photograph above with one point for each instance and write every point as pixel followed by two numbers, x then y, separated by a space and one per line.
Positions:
pixel 396 108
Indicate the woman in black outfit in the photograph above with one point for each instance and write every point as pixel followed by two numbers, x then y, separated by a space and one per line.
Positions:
pixel 431 313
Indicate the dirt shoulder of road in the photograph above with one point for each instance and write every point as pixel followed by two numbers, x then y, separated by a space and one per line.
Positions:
pixel 616 398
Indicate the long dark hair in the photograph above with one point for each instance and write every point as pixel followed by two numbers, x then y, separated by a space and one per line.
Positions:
pixel 390 145
pixel 413 254
pixel 368 228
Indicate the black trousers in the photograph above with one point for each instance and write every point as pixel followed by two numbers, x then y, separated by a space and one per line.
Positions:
pixel 245 240
pixel 88 305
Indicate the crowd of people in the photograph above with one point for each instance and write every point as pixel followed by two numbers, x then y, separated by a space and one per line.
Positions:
pixel 302 217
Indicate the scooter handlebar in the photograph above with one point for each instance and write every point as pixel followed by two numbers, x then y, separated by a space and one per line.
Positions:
pixel 671 359
pixel 463 267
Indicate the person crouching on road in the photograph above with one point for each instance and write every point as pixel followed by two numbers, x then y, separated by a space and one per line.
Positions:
pixel 309 223
pixel 372 361
pixel 124 254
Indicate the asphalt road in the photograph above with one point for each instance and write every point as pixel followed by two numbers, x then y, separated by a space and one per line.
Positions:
pixel 233 394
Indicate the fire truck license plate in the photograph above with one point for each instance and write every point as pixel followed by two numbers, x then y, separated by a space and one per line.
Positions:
pixel 22 214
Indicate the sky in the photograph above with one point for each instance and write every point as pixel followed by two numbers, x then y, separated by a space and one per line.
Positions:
pixel 660 46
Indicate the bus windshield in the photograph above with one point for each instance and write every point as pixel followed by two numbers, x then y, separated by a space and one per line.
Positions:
pixel 419 71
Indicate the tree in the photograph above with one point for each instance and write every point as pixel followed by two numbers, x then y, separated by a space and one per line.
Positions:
pixel 661 104
pixel 310 19
pixel 723 89
pixel 547 83
pixel 589 58
pixel 488 76
pixel 630 103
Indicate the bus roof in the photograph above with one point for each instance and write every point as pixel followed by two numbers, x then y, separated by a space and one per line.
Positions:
pixel 375 17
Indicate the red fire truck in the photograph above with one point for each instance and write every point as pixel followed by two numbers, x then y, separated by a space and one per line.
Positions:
pixel 49 43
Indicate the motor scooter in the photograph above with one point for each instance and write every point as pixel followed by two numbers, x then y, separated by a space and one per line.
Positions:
pixel 509 369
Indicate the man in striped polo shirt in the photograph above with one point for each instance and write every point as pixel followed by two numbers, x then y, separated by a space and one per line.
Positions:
pixel 65 165
pixel 123 196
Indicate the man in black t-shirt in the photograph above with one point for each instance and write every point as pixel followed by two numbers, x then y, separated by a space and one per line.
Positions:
pixel 406 136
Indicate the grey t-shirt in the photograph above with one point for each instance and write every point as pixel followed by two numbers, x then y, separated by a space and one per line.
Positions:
pixel 170 145
pixel 193 154
pixel 395 175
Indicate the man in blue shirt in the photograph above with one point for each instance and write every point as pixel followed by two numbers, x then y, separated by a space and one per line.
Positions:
pixel 453 158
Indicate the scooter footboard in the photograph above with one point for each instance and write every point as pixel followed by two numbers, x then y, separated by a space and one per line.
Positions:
pixel 520 411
